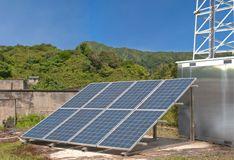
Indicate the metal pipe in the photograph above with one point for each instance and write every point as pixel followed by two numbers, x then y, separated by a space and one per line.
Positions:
pixel 192 125
pixel 212 28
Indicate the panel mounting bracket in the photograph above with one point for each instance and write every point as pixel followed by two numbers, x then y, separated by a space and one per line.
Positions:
pixel 179 104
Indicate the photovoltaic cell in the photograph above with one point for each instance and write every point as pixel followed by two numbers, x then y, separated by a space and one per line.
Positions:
pixel 73 125
pixel 131 130
pixel 106 128
pixel 100 127
pixel 108 95
pixel 135 95
pixel 85 95
pixel 166 94
pixel 49 123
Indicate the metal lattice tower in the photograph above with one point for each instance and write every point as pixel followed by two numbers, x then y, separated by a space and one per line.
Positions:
pixel 214 27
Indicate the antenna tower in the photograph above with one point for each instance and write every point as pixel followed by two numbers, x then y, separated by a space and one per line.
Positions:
pixel 214 28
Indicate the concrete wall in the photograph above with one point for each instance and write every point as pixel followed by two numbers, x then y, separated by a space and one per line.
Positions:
pixel 28 102
pixel 12 84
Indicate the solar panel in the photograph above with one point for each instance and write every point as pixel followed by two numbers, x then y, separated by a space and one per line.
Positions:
pixel 85 95
pixel 166 94
pixel 131 130
pixel 100 127
pixel 111 115
pixel 135 95
pixel 45 126
pixel 107 96
pixel 73 125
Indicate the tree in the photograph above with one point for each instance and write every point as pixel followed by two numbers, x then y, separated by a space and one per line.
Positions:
pixel 5 71
pixel 84 49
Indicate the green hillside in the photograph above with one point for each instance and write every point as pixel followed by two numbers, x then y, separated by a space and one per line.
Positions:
pixel 89 62
pixel 145 58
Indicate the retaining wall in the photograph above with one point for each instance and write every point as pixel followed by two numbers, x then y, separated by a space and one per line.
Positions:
pixel 26 102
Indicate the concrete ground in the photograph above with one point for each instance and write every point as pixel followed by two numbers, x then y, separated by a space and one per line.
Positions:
pixel 153 149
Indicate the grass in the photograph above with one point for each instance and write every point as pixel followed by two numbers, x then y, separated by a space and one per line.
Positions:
pixel 171 117
pixel 1 128
pixel 18 151
pixel 23 121
pixel 28 121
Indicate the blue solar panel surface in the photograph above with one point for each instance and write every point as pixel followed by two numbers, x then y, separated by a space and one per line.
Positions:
pixel 125 98
pixel 135 95
pixel 73 125
pixel 110 94
pixel 100 127
pixel 85 95
pixel 166 94
pixel 132 129
pixel 49 123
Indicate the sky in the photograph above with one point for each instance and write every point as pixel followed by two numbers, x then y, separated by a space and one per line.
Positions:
pixel 153 25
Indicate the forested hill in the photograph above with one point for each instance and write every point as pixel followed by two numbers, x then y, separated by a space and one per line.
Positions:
pixel 145 58
pixel 89 62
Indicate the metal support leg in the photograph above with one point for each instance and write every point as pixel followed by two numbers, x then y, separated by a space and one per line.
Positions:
pixel 124 154
pixel 155 132
pixel 84 149
pixel 51 145
pixel 15 117
pixel 192 125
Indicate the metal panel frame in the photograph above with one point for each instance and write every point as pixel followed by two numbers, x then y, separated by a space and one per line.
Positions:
pixel 165 111
pixel 108 108
pixel 117 98
pixel 56 110
pixel 76 111
pixel 108 84
pixel 103 110
pixel 132 111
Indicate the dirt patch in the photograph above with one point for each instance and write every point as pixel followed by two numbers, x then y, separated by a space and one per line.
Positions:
pixel 34 150
pixel 163 148
pixel 191 151
pixel 165 131
pixel 8 136
pixel 184 150
pixel 160 150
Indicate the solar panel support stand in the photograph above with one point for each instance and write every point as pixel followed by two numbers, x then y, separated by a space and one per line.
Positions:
pixel 84 149
pixel 23 141
pixel 179 104
pixel 124 154
pixel 155 132
pixel 149 118
pixel 51 145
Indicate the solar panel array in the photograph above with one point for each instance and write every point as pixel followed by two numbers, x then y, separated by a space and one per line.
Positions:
pixel 110 115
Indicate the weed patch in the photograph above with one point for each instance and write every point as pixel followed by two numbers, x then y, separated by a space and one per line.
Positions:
pixel 18 151
pixel 25 122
